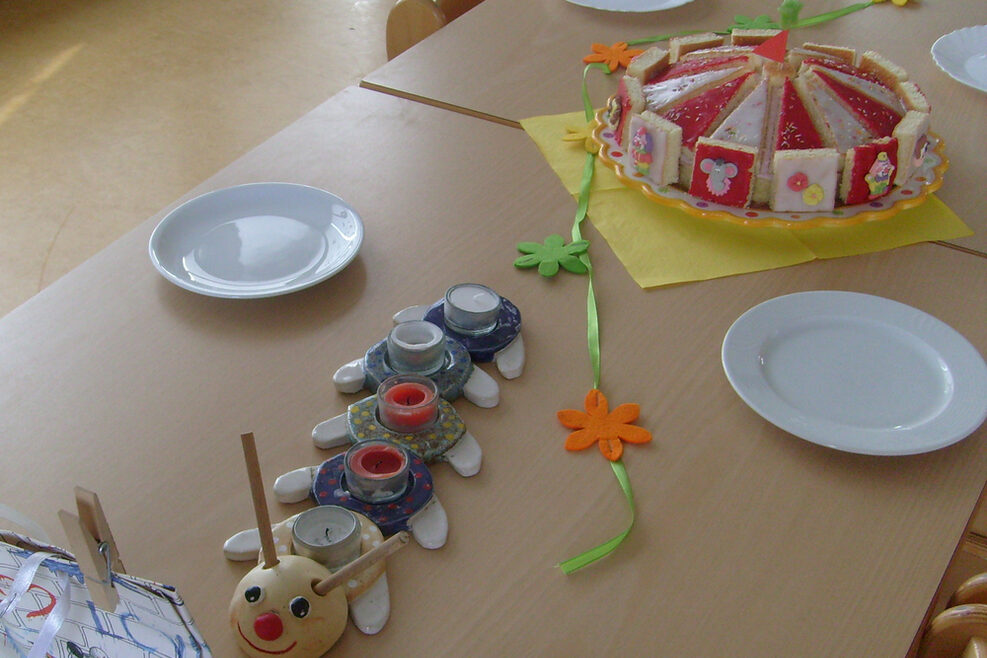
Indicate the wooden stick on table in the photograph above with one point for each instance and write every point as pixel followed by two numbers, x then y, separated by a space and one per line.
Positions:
pixel 260 503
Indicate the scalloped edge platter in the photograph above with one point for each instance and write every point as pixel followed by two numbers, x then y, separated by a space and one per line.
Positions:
pixel 926 180
pixel 962 55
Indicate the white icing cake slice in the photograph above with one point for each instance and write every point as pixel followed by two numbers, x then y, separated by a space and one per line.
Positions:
pixel 745 125
pixel 844 128
pixel 877 91
pixel 659 94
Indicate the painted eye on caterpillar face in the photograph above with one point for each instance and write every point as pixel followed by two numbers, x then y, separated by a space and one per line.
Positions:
pixel 254 594
pixel 299 607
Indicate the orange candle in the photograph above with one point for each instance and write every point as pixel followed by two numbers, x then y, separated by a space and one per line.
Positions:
pixel 407 403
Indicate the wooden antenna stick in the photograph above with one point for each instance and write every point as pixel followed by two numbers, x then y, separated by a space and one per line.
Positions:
pixel 356 566
pixel 260 503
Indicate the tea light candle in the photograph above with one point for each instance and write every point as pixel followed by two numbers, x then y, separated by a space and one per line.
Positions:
pixel 407 403
pixel 376 471
pixel 327 534
pixel 471 309
pixel 416 347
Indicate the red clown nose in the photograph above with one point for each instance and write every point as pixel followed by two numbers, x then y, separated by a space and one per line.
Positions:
pixel 268 626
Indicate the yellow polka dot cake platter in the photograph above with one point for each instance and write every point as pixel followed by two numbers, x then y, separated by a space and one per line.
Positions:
pixel 745 130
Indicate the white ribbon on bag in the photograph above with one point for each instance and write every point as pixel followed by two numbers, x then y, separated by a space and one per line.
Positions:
pixel 25 577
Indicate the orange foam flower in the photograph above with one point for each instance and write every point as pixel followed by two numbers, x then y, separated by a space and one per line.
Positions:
pixel 599 425
pixel 613 56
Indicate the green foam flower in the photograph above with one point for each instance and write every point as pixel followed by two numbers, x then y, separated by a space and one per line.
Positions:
pixel 552 254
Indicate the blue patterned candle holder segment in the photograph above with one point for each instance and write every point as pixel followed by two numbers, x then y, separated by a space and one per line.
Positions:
pixel 450 378
pixel 329 488
pixel 482 348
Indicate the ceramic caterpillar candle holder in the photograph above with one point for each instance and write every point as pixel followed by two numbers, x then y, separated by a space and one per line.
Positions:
pixel 366 594
pixel 486 324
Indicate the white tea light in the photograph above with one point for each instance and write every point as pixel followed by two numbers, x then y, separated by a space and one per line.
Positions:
pixel 416 347
pixel 328 534
pixel 471 309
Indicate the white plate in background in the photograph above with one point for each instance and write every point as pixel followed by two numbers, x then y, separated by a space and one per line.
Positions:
pixel 256 240
pixel 963 55
pixel 630 5
pixel 857 373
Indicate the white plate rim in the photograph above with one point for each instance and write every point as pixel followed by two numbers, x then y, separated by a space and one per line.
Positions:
pixel 636 6
pixel 963 414
pixel 166 225
pixel 949 49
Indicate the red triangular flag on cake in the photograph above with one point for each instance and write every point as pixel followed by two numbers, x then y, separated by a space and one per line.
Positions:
pixel 774 48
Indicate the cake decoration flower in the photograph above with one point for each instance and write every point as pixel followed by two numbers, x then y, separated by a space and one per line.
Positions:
pixel 617 55
pixel 813 195
pixel 606 428
pixel 798 182
pixel 553 253
pixel 581 134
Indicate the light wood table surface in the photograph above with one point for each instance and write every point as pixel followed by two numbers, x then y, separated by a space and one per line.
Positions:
pixel 747 539
pixel 508 60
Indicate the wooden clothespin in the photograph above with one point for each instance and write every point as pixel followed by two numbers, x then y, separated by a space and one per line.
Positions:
pixel 94 548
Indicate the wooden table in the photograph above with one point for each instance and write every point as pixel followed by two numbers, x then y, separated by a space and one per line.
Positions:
pixel 493 62
pixel 746 537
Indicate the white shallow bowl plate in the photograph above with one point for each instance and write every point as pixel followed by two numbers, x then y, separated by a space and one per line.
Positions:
pixel 256 240
pixel 857 373
pixel 963 55
pixel 630 5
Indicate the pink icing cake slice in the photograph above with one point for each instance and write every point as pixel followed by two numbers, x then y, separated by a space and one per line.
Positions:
pixel 875 90
pixel 795 127
pixel 690 66
pixel 878 117
pixel 695 116
pixel 845 130
pixel 745 125
pixel 661 94
pixel 841 66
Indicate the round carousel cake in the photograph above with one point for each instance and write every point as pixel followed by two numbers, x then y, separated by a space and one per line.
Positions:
pixel 744 122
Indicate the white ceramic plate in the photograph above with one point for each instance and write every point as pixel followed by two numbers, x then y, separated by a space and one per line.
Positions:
pixel 963 55
pixel 630 5
pixel 857 373
pixel 256 240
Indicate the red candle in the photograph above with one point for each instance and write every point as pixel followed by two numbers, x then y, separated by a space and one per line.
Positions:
pixel 407 403
pixel 376 471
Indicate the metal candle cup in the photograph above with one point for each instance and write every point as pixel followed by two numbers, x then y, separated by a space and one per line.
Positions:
pixel 407 403
pixel 327 534
pixel 376 471
pixel 471 309
pixel 416 347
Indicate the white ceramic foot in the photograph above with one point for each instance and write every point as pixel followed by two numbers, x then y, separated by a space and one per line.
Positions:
pixel 294 486
pixel 349 378
pixel 429 525
pixel 482 390
pixel 510 360
pixel 242 546
pixel 466 456
pixel 370 610
pixel 409 314
pixel 331 433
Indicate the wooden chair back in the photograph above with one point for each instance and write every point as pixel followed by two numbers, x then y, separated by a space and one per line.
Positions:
pixel 410 21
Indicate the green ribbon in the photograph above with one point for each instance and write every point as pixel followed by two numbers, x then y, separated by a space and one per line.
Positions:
pixel 593 339
pixel 604 549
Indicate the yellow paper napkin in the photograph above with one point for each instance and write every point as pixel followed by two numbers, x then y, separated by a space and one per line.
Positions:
pixel 660 245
